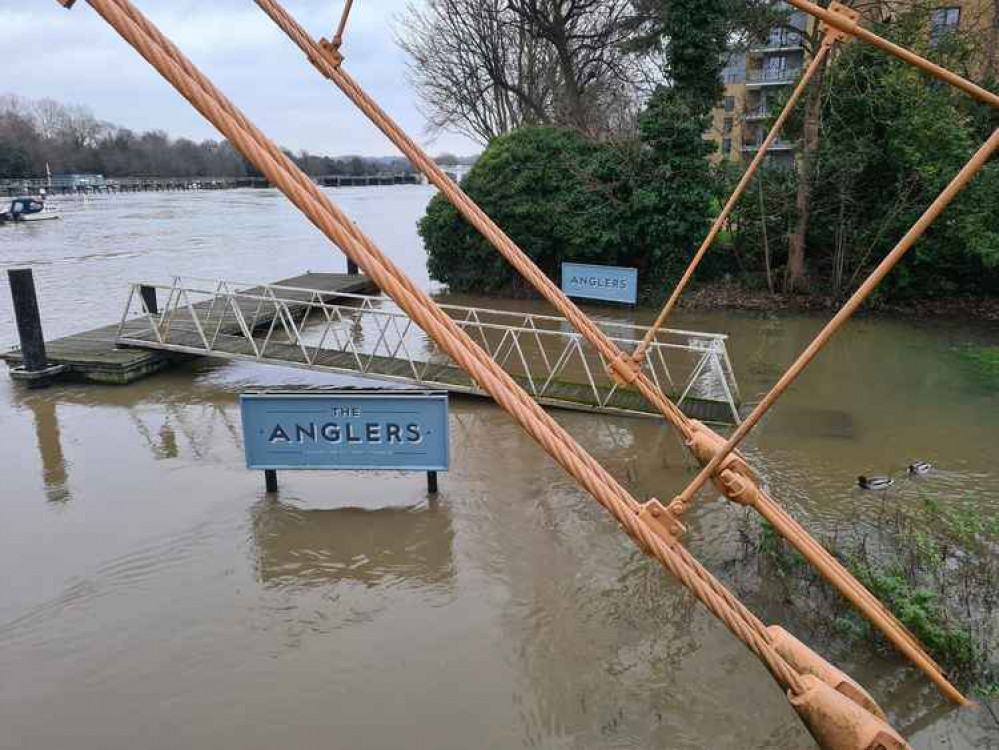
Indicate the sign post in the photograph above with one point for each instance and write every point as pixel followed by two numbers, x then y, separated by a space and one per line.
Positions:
pixel 347 429
pixel 604 283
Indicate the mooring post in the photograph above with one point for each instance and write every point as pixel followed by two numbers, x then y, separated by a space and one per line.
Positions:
pixel 270 480
pixel 29 321
pixel 432 482
pixel 35 369
pixel 148 294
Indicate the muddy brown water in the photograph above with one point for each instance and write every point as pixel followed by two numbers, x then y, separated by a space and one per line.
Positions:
pixel 151 596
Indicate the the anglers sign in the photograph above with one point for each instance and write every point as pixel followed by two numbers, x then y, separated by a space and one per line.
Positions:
pixel 346 429
pixel 606 283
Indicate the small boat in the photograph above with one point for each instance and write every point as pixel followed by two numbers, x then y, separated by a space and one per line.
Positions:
pixel 874 483
pixel 29 209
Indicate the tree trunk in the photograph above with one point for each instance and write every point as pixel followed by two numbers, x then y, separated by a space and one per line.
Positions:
pixel 797 278
pixel 766 241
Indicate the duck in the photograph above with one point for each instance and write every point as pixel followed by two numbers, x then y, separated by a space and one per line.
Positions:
pixel 874 483
pixel 920 468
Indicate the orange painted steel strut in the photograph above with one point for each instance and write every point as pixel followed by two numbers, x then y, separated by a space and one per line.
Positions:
pixel 962 179
pixel 644 522
pixel 852 27
pixel 945 198
pixel 817 62
pixel 338 36
pixel 322 56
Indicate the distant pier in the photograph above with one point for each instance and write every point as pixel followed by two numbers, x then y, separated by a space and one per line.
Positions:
pixel 14 187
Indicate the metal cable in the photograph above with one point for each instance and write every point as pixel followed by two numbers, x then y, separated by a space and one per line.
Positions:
pixel 838 576
pixel 122 16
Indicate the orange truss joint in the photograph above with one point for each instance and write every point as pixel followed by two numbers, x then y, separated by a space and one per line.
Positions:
pixel 733 478
pixel 624 370
pixel 832 34
pixel 664 524
pixel 331 51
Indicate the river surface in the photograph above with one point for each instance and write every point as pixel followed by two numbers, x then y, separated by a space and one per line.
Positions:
pixel 152 596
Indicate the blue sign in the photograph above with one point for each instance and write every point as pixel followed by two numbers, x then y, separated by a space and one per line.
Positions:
pixel 346 429
pixel 606 283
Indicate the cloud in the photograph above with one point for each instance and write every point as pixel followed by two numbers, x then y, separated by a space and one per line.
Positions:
pixel 76 58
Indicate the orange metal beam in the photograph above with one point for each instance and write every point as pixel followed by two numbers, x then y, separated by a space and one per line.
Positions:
pixel 817 62
pixel 853 27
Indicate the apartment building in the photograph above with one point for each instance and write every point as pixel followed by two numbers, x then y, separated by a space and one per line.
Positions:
pixel 755 78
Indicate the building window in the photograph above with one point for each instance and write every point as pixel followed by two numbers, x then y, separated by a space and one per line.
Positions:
pixel 943 21
pixel 729 104
pixel 775 68
pixel 727 146
pixel 728 126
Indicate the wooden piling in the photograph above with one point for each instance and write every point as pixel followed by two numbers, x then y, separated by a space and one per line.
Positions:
pixel 35 369
pixel 29 321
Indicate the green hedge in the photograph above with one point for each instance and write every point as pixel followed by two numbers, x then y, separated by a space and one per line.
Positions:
pixel 562 197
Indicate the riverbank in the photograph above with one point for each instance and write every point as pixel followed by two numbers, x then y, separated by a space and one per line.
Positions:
pixel 731 296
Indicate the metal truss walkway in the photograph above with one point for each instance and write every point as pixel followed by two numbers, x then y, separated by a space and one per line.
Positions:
pixel 370 336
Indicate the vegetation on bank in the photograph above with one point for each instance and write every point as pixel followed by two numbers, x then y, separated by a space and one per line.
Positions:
pixel 982 363
pixel 561 197
pixel 934 564
pixel 888 140
pixel 564 195
pixel 35 135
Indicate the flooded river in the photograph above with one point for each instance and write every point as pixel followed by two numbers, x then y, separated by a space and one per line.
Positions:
pixel 152 597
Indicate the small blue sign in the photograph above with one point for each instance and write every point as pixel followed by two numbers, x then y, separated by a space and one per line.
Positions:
pixel 606 283
pixel 346 429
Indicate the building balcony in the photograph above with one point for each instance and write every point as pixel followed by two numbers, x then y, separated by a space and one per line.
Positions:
pixel 784 43
pixel 779 145
pixel 756 115
pixel 765 77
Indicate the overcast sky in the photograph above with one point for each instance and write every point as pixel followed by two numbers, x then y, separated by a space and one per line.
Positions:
pixel 76 58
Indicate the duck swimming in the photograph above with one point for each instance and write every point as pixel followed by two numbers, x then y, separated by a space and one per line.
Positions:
pixel 874 483
pixel 920 468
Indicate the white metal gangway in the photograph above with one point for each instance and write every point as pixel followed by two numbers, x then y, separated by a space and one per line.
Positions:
pixel 370 336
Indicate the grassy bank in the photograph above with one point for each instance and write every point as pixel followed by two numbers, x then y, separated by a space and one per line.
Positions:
pixel 935 565
pixel 982 363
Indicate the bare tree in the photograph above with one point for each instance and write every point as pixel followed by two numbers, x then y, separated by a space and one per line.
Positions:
pixel 587 38
pixel 485 67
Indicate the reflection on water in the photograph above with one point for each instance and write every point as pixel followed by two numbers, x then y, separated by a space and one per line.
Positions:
pixel 53 461
pixel 165 591
pixel 319 547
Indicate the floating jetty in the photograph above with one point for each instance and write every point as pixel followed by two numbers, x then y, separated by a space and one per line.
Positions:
pixel 95 356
